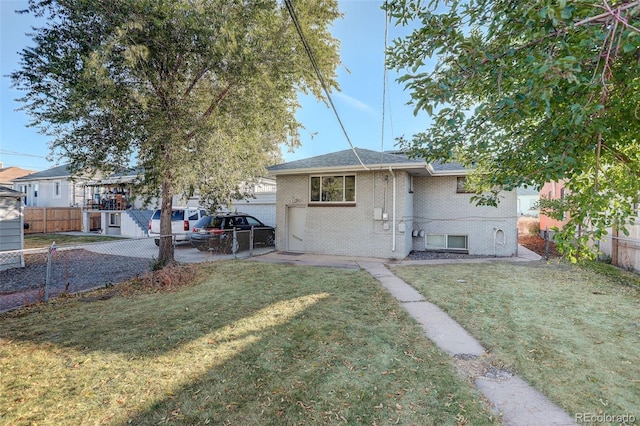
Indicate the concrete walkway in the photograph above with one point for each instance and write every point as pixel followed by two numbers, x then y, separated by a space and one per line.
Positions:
pixel 515 400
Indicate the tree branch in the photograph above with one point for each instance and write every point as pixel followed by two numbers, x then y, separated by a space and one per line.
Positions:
pixel 197 78
pixel 615 13
pixel 212 107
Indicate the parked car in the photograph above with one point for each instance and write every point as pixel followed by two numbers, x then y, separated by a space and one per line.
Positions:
pixel 182 220
pixel 215 232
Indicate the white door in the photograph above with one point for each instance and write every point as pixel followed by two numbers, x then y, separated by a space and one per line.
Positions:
pixel 296 219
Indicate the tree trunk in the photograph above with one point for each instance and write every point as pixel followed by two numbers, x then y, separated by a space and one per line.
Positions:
pixel 165 254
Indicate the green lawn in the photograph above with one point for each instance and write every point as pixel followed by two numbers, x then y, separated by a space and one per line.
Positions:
pixel 572 332
pixel 251 343
pixel 45 240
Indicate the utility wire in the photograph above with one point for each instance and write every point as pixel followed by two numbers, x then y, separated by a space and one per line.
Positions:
pixel 20 154
pixel 316 68
pixel 384 79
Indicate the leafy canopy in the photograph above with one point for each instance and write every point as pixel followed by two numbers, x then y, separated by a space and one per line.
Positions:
pixel 198 94
pixel 531 92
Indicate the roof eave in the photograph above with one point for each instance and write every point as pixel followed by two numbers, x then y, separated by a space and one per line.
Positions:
pixel 342 169
pixel 455 172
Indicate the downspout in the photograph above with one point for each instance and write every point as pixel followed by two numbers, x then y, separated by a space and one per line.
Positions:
pixel 393 213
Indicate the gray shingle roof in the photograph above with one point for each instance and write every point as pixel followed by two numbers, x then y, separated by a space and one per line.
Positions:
pixel 8 192
pixel 439 166
pixel 348 159
pixel 54 172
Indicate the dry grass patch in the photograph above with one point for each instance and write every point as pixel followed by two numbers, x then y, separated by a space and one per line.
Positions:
pixel 571 332
pixel 250 343
pixel 528 225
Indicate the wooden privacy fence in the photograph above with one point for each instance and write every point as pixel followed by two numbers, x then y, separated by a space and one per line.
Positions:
pixel 52 219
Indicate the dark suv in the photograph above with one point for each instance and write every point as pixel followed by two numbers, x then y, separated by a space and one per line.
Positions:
pixel 215 232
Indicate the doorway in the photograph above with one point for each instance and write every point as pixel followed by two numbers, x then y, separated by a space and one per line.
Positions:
pixel 296 221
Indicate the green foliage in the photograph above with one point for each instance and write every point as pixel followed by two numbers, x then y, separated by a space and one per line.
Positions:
pixel 199 93
pixel 531 92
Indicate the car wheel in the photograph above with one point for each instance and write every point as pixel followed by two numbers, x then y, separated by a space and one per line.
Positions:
pixel 157 241
pixel 202 248
pixel 271 240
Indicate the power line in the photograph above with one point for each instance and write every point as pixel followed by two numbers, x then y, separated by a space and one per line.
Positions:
pixel 20 154
pixel 307 48
pixel 384 79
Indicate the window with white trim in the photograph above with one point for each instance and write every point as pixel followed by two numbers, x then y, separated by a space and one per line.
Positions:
pixel 446 242
pixel 332 189
pixel 56 189
pixel 114 220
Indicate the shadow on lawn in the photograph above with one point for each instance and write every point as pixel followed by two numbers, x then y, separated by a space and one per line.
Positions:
pixel 252 344
pixel 148 324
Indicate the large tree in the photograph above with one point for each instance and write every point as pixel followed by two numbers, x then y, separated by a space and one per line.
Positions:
pixel 197 93
pixel 529 92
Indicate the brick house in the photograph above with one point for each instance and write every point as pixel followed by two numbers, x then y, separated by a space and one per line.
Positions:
pixel 385 205
pixel 552 191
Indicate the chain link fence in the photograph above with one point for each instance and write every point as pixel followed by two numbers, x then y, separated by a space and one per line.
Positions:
pixel 49 272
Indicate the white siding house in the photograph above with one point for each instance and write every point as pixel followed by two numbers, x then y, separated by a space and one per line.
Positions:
pixel 53 187
pixel 11 231
pixel 528 199
pixel 262 203
pixel 385 205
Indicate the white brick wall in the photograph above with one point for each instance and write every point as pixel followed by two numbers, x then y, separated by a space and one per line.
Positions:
pixel 433 206
pixel 348 231
pixel 438 209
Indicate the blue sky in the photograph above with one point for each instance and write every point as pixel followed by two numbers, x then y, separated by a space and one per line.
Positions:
pixel 359 104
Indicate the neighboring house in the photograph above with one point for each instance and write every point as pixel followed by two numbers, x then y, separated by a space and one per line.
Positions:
pixel 552 191
pixel 123 213
pixel 623 250
pixel 528 201
pixel 53 187
pixel 11 228
pixel 8 174
pixel 110 204
pixel 262 202
pixel 385 205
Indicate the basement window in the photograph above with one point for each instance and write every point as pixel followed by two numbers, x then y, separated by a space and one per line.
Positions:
pixel 447 242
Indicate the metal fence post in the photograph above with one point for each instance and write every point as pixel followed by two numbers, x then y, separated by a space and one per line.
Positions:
pixel 546 243
pixel 47 281
pixel 251 242
pixel 234 243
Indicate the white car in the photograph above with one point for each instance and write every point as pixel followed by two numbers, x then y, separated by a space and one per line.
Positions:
pixel 182 221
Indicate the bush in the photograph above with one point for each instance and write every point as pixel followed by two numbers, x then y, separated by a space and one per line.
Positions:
pixel 528 225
